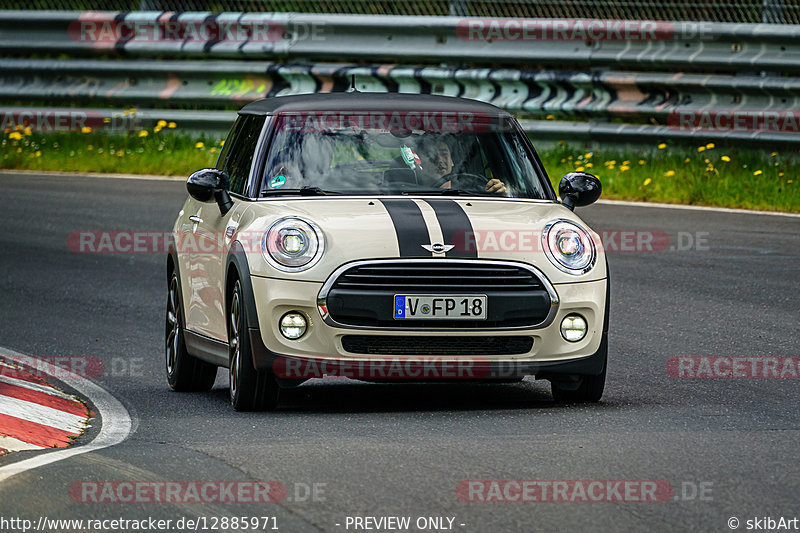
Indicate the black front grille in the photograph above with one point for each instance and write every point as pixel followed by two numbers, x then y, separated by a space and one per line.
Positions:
pixel 438 346
pixel 363 295
pixel 438 278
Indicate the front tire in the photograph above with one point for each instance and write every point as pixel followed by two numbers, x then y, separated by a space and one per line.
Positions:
pixel 184 372
pixel 251 389
pixel 590 390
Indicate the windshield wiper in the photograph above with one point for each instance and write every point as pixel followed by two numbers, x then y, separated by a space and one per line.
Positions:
pixel 445 192
pixel 302 191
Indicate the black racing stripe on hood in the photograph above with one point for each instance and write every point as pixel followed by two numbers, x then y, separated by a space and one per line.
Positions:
pixel 456 227
pixel 410 227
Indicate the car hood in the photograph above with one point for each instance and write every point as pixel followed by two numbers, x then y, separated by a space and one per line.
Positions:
pixel 401 227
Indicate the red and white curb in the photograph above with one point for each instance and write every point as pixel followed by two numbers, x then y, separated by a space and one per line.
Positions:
pixel 114 420
pixel 35 415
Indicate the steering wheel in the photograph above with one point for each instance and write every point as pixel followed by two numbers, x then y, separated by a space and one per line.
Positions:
pixel 464 181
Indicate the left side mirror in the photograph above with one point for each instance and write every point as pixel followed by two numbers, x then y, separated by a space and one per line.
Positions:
pixel 578 189
pixel 210 184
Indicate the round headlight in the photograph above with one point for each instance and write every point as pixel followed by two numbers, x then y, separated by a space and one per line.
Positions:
pixel 293 244
pixel 293 325
pixel 573 328
pixel 569 247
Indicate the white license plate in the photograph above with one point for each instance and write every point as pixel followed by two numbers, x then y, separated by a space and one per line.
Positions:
pixel 423 306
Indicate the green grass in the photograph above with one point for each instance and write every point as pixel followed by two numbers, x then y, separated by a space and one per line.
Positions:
pixel 701 175
pixel 674 174
pixel 169 154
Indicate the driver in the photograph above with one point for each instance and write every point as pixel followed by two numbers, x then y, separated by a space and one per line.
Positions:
pixel 437 162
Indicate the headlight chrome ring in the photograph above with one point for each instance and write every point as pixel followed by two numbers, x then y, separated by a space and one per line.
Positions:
pixel 293 244
pixel 569 247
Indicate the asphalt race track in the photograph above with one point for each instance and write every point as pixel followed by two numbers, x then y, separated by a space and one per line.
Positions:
pixel 727 447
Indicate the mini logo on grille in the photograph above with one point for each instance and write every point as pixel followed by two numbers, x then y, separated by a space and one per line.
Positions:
pixel 438 247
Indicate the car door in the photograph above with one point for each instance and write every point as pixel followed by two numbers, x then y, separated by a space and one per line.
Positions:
pixel 206 313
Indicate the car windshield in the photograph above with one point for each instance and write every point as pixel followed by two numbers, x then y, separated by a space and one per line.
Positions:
pixel 410 153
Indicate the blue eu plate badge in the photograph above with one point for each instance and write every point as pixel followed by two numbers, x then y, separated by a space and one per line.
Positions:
pixel 399 306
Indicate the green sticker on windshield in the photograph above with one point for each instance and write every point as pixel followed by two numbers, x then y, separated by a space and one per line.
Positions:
pixel 277 181
pixel 410 157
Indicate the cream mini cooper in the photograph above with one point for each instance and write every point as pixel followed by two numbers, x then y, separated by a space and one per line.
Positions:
pixel 383 237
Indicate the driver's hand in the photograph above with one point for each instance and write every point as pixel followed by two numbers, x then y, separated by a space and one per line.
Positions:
pixel 496 186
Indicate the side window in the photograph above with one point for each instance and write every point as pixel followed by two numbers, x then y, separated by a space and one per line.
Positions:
pixel 229 141
pixel 240 157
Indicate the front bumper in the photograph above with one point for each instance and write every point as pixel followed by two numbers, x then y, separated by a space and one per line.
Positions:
pixel 321 349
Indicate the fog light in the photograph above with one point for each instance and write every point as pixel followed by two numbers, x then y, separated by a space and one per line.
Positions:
pixel 293 325
pixel 573 328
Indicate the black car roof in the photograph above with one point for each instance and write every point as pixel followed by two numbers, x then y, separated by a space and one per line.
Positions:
pixel 358 101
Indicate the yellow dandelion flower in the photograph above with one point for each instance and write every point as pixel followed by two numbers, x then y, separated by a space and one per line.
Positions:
pixel 669 173
pixel 157 129
pixel 90 147
pixel 563 159
pixel 143 133
pixel 199 144
pixel 86 129
pixel 662 146
pixel 161 123
pixel 27 130
pixel 626 162
pixel 561 143
pixel 550 117
pixel 212 150
pixel 647 182
pixel 780 174
pixel 106 120
pixel 686 160
pixel 222 143
pixel 710 146
pixel 120 153
pixel 623 168
pixel 588 155
pixel 38 153
pixel 172 125
pixel 15 135
pixel 589 165
pixel 701 148
pixel 579 169
pixel 642 161
pixel 725 158
pixel 773 154
pixel 757 173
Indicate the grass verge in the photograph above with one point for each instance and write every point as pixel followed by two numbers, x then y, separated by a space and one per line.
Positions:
pixel 702 175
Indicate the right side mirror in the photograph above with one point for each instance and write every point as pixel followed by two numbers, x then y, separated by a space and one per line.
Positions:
pixel 210 184
pixel 578 189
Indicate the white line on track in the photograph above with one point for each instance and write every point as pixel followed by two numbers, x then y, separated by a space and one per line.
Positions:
pixel 116 422
pixel 698 208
